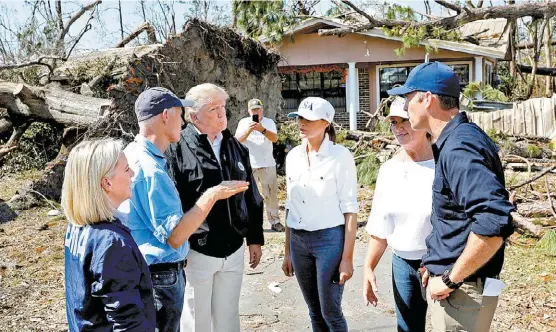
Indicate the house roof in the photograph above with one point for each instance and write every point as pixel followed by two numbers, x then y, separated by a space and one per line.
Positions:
pixel 490 34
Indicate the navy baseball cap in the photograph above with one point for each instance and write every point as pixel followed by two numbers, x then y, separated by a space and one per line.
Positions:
pixel 154 101
pixel 435 77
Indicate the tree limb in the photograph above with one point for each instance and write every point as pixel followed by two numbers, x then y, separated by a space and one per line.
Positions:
pixel 147 26
pixel 449 5
pixel 509 12
pixel 533 178
pixel 539 70
pixel 358 10
pixel 39 62
pixel 75 17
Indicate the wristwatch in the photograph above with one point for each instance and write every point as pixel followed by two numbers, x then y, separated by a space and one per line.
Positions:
pixel 448 282
pixel 264 131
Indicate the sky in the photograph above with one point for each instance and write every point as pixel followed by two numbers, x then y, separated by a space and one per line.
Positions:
pixel 106 32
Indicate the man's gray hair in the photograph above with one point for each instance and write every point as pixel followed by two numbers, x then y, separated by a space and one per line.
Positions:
pixel 203 94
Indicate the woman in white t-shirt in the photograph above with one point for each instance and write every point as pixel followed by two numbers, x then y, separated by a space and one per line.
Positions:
pixel 400 218
pixel 321 215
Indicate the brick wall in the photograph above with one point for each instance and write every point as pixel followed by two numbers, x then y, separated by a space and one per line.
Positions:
pixel 342 119
pixel 364 97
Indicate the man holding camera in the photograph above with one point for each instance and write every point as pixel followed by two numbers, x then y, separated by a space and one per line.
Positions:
pixel 258 133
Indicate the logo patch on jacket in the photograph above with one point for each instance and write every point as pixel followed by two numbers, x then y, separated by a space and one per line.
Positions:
pixel 202 241
pixel 240 166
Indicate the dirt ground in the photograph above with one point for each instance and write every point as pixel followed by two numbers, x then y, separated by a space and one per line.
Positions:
pixel 32 281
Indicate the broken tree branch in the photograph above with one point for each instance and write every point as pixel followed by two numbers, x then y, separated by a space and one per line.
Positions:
pixel 533 178
pixel 466 15
pixel 147 26
pixel 449 5
pixel 539 70
pixel 526 225
pixel 38 62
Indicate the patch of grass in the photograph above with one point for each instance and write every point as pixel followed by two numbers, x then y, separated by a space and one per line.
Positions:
pixel 547 244
pixel 534 151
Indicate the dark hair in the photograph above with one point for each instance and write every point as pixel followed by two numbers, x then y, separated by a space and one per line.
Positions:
pixel 331 131
pixel 448 102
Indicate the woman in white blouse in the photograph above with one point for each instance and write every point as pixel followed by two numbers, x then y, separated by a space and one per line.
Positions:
pixel 400 218
pixel 321 215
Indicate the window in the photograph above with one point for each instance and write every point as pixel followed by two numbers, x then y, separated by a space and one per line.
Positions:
pixel 463 73
pixel 298 86
pixel 488 73
pixel 390 76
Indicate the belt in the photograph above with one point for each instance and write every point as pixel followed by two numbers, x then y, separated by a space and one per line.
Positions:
pixel 160 267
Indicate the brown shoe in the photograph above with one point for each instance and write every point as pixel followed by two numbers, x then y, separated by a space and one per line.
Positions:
pixel 278 227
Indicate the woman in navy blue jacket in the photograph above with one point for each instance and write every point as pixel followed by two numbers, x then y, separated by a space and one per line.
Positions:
pixel 108 284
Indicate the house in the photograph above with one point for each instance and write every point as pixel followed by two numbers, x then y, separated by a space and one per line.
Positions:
pixel 355 71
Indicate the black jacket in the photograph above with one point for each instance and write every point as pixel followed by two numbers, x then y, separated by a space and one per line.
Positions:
pixel 194 167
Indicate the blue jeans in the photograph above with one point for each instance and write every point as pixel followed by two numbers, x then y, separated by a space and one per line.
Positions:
pixel 169 288
pixel 316 257
pixel 409 295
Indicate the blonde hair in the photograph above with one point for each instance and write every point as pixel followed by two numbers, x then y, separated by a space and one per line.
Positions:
pixel 83 199
pixel 203 94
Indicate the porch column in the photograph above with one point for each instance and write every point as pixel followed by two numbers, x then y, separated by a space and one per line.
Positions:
pixel 352 90
pixel 478 77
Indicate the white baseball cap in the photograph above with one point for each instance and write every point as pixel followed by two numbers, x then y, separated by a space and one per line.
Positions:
pixel 397 108
pixel 313 109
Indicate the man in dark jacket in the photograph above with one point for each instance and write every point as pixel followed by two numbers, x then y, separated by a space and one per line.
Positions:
pixel 470 212
pixel 207 154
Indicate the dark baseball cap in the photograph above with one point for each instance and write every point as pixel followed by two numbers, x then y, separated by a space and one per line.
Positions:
pixel 154 101
pixel 435 77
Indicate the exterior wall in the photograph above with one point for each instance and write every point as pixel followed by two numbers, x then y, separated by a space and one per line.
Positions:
pixel 311 49
pixel 364 98
pixel 342 118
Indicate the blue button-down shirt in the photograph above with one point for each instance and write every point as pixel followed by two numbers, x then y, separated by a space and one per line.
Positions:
pixel 155 207
pixel 469 195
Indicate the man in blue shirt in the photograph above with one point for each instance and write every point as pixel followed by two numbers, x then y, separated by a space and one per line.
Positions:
pixel 154 213
pixel 471 211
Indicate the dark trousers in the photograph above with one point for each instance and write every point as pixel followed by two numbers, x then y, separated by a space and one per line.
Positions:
pixel 409 295
pixel 316 257
pixel 169 287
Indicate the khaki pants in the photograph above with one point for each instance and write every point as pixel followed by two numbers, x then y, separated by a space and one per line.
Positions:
pixel 267 183
pixel 466 309
pixel 212 291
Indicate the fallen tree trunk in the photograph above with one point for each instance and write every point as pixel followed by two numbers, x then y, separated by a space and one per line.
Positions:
pixel 539 209
pixel 51 104
pixel 526 225
pixel 539 71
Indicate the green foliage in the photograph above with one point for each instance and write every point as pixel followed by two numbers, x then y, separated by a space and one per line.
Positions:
pixel 547 243
pixel 367 170
pixel 413 36
pixel 39 145
pixel 534 151
pixel 487 91
pixel 397 12
pixel 262 19
pixel 497 137
pixel 341 136
pixel 288 134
